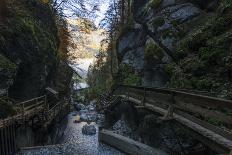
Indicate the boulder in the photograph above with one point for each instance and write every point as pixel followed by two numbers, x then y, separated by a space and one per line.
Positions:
pixel 89 129
pixel 88 117
pixel 79 107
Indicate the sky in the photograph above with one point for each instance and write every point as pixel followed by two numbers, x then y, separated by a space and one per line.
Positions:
pixel 104 4
pixel 103 8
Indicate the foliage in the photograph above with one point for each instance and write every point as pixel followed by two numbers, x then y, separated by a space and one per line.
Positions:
pixel 153 53
pixel 155 3
pixel 127 75
pixel 6 110
pixel 65 40
pixel 203 56
pixel 6 63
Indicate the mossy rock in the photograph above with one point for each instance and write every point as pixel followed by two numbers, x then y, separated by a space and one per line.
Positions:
pixel 6 110
pixel 128 75
pixel 7 64
pixel 155 3
pixel 170 68
pixel 153 51
pixel 157 22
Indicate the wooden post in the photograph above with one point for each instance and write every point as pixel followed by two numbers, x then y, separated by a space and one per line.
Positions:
pixel 22 112
pixel 2 142
pixel 46 103
pixel 5 138
pixel 8 138
pixel 169 114
pixel 144 97
pixel 14 135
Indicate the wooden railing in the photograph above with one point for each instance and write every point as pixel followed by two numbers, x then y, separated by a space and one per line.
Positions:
pixel 203 110
pixel 26 111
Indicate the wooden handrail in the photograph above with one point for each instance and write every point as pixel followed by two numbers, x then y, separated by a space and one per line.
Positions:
pixel 37 102
pixel 211 101
pixel 37 98
pixel 188 109
pixel 205 106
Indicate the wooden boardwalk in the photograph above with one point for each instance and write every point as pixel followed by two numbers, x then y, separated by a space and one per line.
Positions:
pixel 25 115
pixel 188 108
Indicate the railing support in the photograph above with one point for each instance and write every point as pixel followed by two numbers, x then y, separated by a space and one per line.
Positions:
pixel 144 97
pixel 169 114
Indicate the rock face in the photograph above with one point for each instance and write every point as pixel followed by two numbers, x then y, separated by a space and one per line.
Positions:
pixel 163 134
pixel 7 74
pixel 29 40
pixel 156 43
pixel 89 129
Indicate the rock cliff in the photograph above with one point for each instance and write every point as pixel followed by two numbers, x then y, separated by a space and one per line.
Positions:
pixel 29 60
pixel 178 43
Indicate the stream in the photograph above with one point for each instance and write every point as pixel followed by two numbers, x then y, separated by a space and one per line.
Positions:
pixel 74 141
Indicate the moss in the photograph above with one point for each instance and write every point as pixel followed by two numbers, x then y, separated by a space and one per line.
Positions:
pixel 128 75
pixel 132 79
pixel 153 51
pixel 125 29
pixel 158 22
pixel 6 109
pixel 6 63
pixel 193 65
pixel 169 68
pixel 214 121
pixel 155 3
pixel 167 34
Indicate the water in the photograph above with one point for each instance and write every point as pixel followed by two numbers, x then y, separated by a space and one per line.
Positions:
pixel 74 142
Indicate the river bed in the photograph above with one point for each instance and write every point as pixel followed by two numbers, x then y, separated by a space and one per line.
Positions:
pixel 73 142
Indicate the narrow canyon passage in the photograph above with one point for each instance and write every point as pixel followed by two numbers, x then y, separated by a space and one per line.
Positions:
pixel 115 77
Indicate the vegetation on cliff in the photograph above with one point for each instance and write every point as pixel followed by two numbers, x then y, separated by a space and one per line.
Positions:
pixel 204 57
pixel 33 42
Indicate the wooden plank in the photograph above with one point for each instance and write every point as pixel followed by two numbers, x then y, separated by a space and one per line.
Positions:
pixel 220 140
pixel 226 144
pixel 2 142
pixel 204 112
pixel 34 105
pixel 127 145
pixel 161 98
pixel 204 101
pixel 223 132
pixel 212 102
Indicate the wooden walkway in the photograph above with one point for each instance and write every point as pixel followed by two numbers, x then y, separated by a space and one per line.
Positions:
pixel 25 115
pixel 127 145
pixel 188 108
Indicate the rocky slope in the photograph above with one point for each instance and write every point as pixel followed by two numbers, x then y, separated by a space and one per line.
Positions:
pixel 29 42
pixel 178 43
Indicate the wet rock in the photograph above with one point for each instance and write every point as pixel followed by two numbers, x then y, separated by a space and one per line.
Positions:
pixel 88 117
pixel 121 127
pixel 79 107
pixel 77 121
pixel 89 129
pixel 91 106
